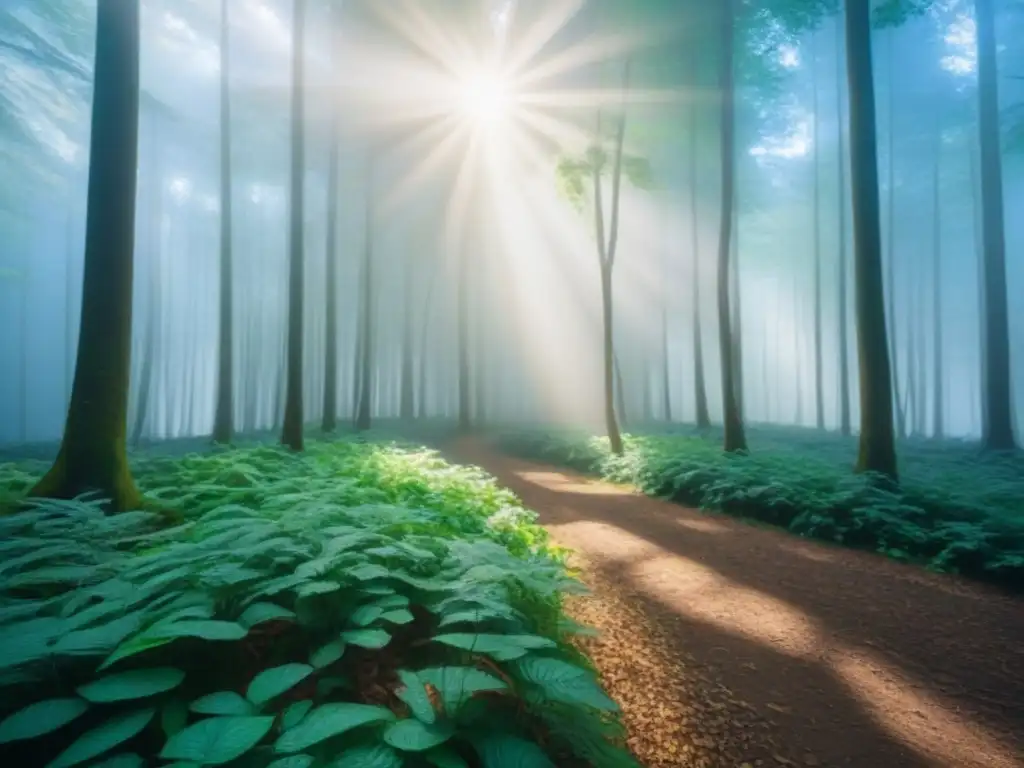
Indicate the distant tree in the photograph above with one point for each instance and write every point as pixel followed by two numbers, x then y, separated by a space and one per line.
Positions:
pixel 291 433
pixel 365 347
pixel 223 422
pixel 844 265
pixel 93 455
pixel 819 384
pixel 575 175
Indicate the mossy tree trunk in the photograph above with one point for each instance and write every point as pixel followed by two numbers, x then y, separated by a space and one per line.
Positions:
pixel 735 439
pixel 291 432
pixel 223 422
pixel 877 452
pixel 93 455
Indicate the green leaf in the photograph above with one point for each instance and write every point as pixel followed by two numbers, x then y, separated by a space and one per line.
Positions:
pixel 511 752
pixel 173 716
pixel 564 682
pixel 368 571
pixel 259 613
pixel 365 615
pixel 397 616
pixel 204 630
pixel 329 720
pixel 445 757
pixel 133 646
pixel 327 654
pixel 457 684
pixel 40 718
pixel 103 738
pixel 416 736
pixel 392 601
pixel 137 684
pixel 97 640
pixel 376 756
pixel 275 681
pixel 294 713
pixel 222 703
pixel 217 740
pixel 293 761
pixel 499 647
pixel 366 638
pixel 414 694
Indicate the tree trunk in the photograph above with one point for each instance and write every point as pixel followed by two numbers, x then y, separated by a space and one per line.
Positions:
pixel 844 352
pixel 223 422
pixel 877 451
pixel 938 370
pixel 735 440
pixel 407 403
pixel 893 336
pixel 702 416
pixel 364 409
pixel 291 433
pixel 819 383
pixel 997 427
pixel 93 455
pixel 330 406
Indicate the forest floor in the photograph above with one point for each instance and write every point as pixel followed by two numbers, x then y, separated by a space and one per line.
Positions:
pixel 730 644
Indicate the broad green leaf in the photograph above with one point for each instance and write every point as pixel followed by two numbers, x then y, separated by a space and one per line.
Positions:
pixel 368 571
pixel 500 647
pixel 293 715
pixel 133 646
pixel 392 601
pixel 204 630
pixel 564 682
pixel 40 718
pixel 137 684
pixel 97 640
pixel 511 752
pixel 311 588
pixel 415 736
pixel 397 616
pixel 457 684
pixel 117 730
pixel 124 760
pixel 414 694
pixel 327 654
pixel 217 740
pixel 223 703
pixel 173 716
pixel 329 720
pixel 375 756
pixel 275 681
pixel 258 613
pixel 365 615
pixel 293 761
pixel 366 638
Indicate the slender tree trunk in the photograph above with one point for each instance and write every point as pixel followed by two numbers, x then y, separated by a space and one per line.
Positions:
pixel 666 386
pixel 997 428
pixel 819 383
pixel 893 337
pixel 93 455
pixel 407 403
pixel 938 370
pixel 844 352
pixel 702 416
pixel 735 439
pixel 291 433
pixel 330 406
pixel 737 307
pixel 223 422
pixel 462 309
pixel 366 350
pixel 877 452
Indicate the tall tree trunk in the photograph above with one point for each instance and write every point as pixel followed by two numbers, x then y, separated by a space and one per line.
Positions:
pixel 330 406
pixel 702 416
pixel 223 421
pixel 877 451
pixel 291 433
pixel 366 352
pixel 735 439
pixel 666 378
pixel 737 307
pixel 893 336
pixel 997 428
pixel 462 309
pixel 93 454
pixel 938 370
pixel 407 402
pixel 819 383
pixel 844 352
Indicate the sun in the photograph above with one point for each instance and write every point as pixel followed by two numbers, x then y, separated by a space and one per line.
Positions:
pixel 485 98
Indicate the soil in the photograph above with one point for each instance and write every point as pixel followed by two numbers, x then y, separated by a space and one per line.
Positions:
pixel 729 644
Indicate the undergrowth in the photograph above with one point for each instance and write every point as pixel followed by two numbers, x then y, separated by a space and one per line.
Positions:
pixel 358 605
pixel 955 511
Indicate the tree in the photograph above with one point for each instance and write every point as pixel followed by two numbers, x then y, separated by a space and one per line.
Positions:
pixel 330 404
pixel 93 453
pixel 997 423
pixel 938 371
pixel 223 423
pixel 819 386
pixel 365 349
pixel 574 174
pixel 735 439
pixel 841 159
pixel 291 433
pixel 877 451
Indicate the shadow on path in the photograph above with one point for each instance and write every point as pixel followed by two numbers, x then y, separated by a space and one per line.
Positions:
pixel 855 660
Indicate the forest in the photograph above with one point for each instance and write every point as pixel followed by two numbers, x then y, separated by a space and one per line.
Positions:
pixel 511 383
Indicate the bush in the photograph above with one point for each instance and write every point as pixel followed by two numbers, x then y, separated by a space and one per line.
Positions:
pixel 298 632
pixel 955 511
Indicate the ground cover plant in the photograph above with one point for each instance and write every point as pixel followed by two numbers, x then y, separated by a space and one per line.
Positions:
pixel 955 510
pixel 358 604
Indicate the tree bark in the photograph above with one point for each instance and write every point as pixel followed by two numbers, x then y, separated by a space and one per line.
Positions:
pixel 364 408
pixel 291 433
pixel 893 336
pixel 938 370
pixel 877 450
pixel 93 453
pixel 844 352
pixel 330 406
pixel 819 383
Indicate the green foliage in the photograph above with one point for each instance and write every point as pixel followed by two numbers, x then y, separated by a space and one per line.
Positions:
pixel 361 606
pixel 956 511
pixel 574 175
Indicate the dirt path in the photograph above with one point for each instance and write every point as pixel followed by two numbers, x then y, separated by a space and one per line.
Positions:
pixel 734 645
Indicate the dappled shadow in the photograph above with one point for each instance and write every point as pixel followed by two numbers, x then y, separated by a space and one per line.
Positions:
pixel 859 660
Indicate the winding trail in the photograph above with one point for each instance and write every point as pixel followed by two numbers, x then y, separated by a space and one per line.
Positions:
pixel 734 645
